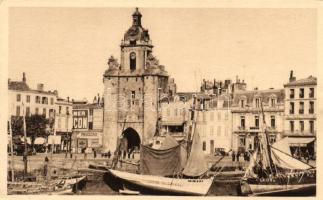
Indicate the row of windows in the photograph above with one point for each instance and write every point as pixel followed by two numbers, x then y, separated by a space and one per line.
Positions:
pixel 38 99
pixel 243 122
pixel 301 107
pixel 272 102
pixel 301 126
pixel 301 93
pixel 37 112
pixel 67 110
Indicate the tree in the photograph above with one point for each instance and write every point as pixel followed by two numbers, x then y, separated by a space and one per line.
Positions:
pixel 35 125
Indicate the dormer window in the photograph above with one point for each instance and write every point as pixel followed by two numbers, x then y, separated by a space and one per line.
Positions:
pixel 133 61
pixel 133 42
pixel 258 103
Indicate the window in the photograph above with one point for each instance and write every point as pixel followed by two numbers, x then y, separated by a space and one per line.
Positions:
pixel 258 103
pixel 168 112
pixel 301 126
pixel 219 131
pixel 37 99
pixel 272 139
pixel 67 110
pixel 44 111
pixel 272 102
pixel 226 131
pixel 291 125
pixel 44 100
pixel 301 107
pixel 176 111
pixel 242 103
pixel 272 122
pixel 132 61
pixel 219 116
pixel 18 111
pixel 301 93
pixel 51 113
pixel 211 130
pixel 133 96
pixel 291 93
pixel 59 109
pixel 242 141
pixel 311 126
pixel 36 111
pixel 257 121
pixel 59 123
pixel 291 108
pixel 204 146
pixel 27 111
pixel 311 94
pixel 90 125
pixel 91 112
pixel 18 97
pixel 212 116
pixel 311 110
pixel 51 101
pixel 28 98
pixel 242 122
pixel 226 116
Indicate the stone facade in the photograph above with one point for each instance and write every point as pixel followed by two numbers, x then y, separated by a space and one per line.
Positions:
pixel 247 118
pixel 132 89
pixel 30 101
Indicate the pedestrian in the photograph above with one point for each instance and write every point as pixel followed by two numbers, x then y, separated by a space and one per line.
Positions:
pixel 238 155
pixel 109 154
pixel 94 153
pixel 233 156
pixel 46 166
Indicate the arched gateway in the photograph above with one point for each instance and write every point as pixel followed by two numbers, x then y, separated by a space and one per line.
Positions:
pixel 131 139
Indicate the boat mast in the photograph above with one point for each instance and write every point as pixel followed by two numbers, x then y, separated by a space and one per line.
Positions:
pixel 25 140
pixel 11 149
pixel 266 138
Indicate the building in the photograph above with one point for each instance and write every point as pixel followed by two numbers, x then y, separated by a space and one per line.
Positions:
pixel 300 111
pixel 22 98
pixel 87 125
pixel 132 90
pixel 247 117
pixel 64 122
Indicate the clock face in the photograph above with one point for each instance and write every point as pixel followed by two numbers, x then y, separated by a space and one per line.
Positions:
pixel 132 55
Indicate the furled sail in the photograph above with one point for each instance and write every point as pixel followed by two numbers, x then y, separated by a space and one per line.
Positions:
pixel 249 172
pixel 196 164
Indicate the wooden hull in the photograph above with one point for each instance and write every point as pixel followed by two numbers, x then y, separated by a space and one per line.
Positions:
pixel 279 190
pixel 148 184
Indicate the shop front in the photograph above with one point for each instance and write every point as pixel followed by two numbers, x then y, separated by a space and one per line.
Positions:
pixel 88 140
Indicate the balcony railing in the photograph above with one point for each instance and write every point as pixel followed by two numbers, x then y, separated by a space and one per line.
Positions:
pixel 254 128
pixel 241 128
pixel 301 111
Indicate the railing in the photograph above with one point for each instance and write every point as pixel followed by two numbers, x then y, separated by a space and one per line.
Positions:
pixel 254 128
pixel 301 111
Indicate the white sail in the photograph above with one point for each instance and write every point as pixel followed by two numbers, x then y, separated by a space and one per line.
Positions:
pixel 286 161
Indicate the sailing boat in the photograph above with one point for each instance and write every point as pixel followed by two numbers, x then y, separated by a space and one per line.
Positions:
pixel 161 171
pixel 274 172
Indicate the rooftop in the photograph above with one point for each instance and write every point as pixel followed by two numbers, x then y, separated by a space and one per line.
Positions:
pixel 311 80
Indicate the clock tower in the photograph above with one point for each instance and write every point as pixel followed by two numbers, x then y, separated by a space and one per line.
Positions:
pixel 132 90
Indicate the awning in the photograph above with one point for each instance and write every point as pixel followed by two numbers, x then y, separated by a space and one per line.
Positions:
pixel 40 140
pixel 172 123
pixel 28 140
pixel 294 141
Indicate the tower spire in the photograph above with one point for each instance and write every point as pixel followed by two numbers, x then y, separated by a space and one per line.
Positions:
pixel 136 18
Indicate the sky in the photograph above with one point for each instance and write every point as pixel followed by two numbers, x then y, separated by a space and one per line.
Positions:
pixel 67 49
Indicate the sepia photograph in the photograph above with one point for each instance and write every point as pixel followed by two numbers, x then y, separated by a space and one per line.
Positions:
pixel 161 101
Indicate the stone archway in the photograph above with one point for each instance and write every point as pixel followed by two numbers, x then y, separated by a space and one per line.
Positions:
pixel 131 139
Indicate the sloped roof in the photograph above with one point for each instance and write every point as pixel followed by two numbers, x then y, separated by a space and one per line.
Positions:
pixel 18 85
pixel 263 94
pixel 311 80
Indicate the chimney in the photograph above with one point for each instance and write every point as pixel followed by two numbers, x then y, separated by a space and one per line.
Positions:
pixel 94 99
pixel 98 98
pixel 9 80
pixel 68 99
pixel 24 77
pixel 291 77
pixel 40 87
pixel 256 88
pixel 236 78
